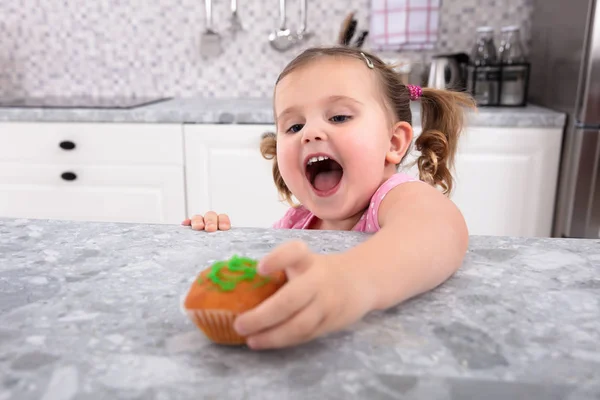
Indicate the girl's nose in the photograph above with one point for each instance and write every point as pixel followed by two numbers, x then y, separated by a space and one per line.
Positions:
pixel 312 134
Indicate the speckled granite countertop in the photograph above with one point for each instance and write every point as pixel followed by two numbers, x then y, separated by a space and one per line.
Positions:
pixel 91 311
pixel 251 111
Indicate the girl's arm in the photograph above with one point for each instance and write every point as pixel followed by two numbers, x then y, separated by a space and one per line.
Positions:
pixel 422 242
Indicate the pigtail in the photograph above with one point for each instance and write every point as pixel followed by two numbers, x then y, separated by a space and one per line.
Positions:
pixel 442 119
pixel 268 149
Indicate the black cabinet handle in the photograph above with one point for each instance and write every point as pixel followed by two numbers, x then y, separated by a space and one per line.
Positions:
pixel 68 176
pixel 67 145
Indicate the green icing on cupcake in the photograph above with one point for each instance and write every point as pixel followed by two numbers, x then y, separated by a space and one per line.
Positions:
pixel 227 274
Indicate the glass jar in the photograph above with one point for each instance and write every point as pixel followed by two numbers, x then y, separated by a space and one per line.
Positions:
pixel 510 50
pixel 484 49
pixel 484 73
pixel 514 71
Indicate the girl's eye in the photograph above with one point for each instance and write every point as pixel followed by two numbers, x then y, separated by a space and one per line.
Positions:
pixel 340 118
pixel 295 128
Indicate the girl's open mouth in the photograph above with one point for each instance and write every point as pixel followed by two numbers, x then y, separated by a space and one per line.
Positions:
pixel 324 174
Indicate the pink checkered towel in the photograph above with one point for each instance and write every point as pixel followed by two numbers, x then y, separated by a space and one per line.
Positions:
pixel 404 24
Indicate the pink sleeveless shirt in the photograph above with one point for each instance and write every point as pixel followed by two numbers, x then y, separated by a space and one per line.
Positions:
pixel 301 218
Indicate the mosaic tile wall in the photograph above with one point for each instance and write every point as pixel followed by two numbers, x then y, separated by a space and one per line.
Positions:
pixel 152 48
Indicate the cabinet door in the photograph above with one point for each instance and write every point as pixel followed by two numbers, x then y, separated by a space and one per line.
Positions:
pixel 226 173
pixel 138 194
pixel 506 180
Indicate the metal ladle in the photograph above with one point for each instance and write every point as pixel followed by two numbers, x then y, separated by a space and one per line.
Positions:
pixel 282 39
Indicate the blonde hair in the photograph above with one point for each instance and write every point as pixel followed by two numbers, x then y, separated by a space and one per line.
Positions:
pixel 442 118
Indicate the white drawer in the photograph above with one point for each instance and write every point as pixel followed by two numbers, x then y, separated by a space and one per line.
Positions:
pixel 94 143
pixel 141 194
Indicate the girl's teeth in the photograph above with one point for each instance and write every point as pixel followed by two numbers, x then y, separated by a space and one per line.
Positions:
pixel 315 159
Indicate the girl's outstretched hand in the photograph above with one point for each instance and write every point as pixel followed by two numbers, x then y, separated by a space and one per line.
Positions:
pixel 322 295
pixel 210 222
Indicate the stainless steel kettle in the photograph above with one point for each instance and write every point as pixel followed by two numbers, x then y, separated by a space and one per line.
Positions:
pixel 447 72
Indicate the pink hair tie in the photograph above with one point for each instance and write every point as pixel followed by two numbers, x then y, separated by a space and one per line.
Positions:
pixel 415 92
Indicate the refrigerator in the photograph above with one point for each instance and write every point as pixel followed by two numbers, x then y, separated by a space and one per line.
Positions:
pixel 565 76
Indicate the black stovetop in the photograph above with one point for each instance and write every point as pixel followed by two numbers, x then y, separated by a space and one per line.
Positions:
pixel 79 102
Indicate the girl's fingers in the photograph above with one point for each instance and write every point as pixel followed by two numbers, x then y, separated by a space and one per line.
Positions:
pixel 211 221
pixel 302 327
pixel 197 222
pixel 224 223
pixel 281 306
pixel 290 255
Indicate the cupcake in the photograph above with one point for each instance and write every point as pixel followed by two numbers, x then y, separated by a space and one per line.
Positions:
pixel 224 291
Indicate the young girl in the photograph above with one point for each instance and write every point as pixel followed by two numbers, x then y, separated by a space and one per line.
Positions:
pixel 343 127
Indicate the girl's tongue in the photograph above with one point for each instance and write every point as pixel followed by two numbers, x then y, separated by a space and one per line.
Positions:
pixel 324 175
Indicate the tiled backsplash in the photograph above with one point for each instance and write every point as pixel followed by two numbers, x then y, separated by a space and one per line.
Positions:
pixel 151 48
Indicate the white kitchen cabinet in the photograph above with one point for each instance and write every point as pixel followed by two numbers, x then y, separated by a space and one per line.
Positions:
pixel 226 173
pixel 160 173
pixel 102 172
pixel 506 179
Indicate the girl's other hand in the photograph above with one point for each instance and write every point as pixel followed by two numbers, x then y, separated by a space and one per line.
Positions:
pixel 210 222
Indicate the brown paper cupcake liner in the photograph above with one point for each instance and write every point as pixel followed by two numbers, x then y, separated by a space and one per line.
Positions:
pixel 217 325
